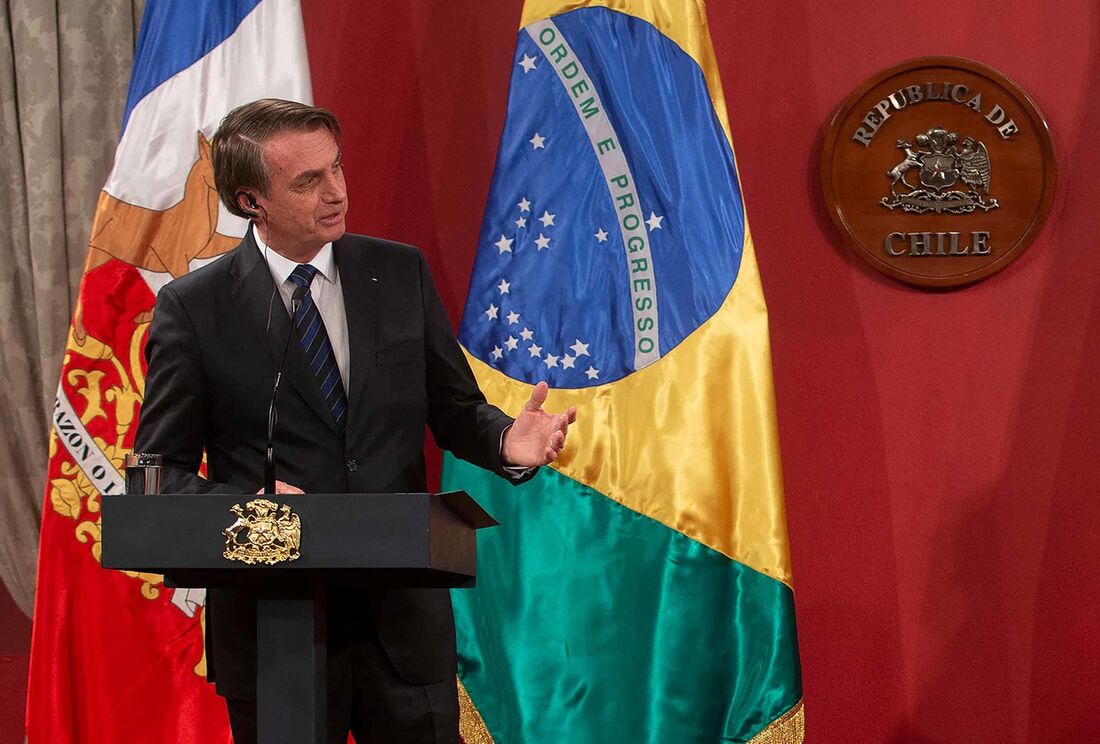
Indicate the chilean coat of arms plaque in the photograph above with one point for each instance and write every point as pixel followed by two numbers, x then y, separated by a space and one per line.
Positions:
pixel 938 171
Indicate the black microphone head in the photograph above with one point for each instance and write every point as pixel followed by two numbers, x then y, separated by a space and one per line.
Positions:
pixel 297 298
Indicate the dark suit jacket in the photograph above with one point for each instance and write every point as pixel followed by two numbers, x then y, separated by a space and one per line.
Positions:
pixel 215 341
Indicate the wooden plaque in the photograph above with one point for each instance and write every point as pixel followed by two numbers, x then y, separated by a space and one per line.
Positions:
pixel 938 171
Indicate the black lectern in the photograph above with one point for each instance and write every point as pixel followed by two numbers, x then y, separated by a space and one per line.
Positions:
pixel 289 550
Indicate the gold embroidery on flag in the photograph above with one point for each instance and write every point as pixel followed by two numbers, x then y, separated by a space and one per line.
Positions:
pixel 111 395
pixel 73 495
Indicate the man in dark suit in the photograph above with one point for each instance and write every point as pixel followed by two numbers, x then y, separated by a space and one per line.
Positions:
pixel 372 358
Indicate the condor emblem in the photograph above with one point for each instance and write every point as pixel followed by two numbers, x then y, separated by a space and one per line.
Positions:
pixel 272 533
pixel 938 171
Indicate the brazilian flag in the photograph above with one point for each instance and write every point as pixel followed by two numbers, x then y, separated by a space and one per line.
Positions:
pixel 639 590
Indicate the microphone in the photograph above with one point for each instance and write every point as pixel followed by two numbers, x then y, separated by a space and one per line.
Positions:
pixel 273 410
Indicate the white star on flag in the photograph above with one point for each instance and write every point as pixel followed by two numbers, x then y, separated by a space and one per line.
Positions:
pixel 537 142
pixel 535 350
pixel 521 222
pixel 526 334
pixel 513 318
pixel 601 236
pixel 504 245
pixel 654 222
pixel 511 342
pixel 593 373
pixel 504 287
pixel 527 63
pixel 547 219
pixel 579 348
pixel 491 312
pixel 497 352
pixel 524 205
pixel 551 361
pixel 542 241
pixel 567 361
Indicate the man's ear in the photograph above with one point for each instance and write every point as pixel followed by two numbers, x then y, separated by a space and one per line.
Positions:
pixel 247 203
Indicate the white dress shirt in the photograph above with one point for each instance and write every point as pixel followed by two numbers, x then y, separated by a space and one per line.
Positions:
pixel 327 293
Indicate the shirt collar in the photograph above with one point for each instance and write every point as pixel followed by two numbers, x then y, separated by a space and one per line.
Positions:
pixel 281 267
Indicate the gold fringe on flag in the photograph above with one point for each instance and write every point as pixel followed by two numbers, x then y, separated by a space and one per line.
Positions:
pixel 470 726
pixel 789 728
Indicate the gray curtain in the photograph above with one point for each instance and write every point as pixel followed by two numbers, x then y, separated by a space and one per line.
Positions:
pixel 64 69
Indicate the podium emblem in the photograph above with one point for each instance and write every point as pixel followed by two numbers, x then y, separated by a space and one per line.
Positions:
pixel 264 532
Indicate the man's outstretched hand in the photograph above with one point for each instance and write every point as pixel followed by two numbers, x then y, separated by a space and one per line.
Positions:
pixel 537 437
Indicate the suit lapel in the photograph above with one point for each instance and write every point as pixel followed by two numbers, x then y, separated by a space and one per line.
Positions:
pixel 359 282
pixel 252 292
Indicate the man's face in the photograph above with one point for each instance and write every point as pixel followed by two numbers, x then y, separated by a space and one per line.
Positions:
pixel 306 199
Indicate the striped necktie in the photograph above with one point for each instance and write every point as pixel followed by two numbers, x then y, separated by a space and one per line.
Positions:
pixel 318 349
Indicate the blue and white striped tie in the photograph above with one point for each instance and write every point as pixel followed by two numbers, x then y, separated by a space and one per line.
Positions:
pixel 318 349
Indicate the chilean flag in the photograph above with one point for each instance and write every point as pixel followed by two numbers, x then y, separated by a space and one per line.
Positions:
pixel 118 657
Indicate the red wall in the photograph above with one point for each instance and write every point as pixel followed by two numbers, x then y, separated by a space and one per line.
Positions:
pixel 940 448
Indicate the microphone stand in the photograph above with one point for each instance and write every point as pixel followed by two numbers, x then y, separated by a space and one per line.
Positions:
pixel 272 410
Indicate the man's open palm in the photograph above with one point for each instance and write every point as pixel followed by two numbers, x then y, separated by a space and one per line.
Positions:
pixel 537 437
